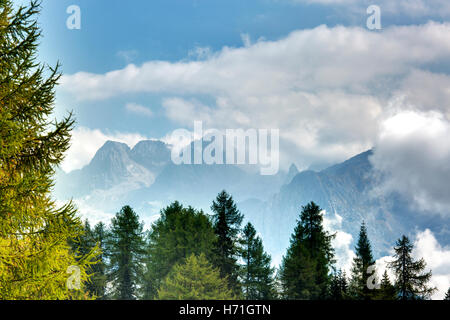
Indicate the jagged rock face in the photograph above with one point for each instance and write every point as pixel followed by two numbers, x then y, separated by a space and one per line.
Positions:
pixel 116 164
pixel 153 155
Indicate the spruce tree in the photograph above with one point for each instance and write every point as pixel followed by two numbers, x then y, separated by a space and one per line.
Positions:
pixel 195 279
pixel 127 247
pixel 35 255
pixel 411 280
pixel 338 286
pixel 99 271
pixel 387 290
pixel 447 295
pixel 177 234
pixel 227 222
pixel 257 273
pixel 362 261
pixel 305 269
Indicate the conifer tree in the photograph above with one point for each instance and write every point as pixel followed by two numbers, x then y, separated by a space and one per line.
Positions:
pixel 35 255
pixel 127 247
pixel 387 290
pixel 305 269
pixel 99 270
pixel 362 261
pixel 447 295
pixel 411 280
pixel 339 286
pixel 257 273
pixel 227 222
pixel 177 234
pixel 196 279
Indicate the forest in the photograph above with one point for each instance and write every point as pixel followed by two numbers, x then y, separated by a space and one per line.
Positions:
pixel 188 255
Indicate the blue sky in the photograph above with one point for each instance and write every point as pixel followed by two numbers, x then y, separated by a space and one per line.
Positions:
pixel 114 34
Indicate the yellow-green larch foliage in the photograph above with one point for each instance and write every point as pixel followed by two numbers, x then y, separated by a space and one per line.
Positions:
pixel 196 279
pixel 35 259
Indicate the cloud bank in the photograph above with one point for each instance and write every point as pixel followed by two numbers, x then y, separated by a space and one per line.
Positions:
pixel 333 85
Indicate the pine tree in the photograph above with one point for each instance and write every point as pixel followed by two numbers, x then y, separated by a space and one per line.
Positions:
pixel 387 290
pixel 339 286
pixel 196 279
pixel 177 234
pixel 447 295
pixel 99 270
pixel 227 222
pixel 127 247
pixel 257 273
pixel 411 280
pixel 305 269
pixel 35 254
pixel 362 261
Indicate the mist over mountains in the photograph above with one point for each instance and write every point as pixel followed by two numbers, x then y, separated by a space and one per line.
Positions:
pixel 145 178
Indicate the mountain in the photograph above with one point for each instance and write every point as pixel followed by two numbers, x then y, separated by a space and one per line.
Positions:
pixel 113 165
pixel 145 178
pixel 349 194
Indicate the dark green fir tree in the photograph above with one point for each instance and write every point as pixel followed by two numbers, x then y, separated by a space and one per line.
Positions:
pixel 339 286
pixel 305 270
pixel 179 233
pixel 127 247
pixel 227 223
pixel 257 273
pixel 447 295
pixel 99 270
pixel 387 290
pixel 360 270
pixel 411 279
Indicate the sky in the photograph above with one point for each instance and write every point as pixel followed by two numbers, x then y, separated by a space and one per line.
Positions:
pixel 310 68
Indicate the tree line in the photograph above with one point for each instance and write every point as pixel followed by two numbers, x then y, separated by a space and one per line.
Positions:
pixel 189 255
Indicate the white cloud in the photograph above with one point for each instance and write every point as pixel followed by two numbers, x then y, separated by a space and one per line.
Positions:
pixel 86 142
pixel 413 154
pixel 332 85
pixel 139 109
pixel 341 243
pixel 437 259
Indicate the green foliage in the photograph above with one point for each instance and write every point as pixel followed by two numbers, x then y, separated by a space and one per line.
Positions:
pixel 34 232
pixel 339 286
pixel 89 240
pixel 411 280
pixel 257 273
pixel 196 279
pixel 227 223
pixel 179 233
pixel 126 247
pixel 98 280
pixel 447 295
pixel 387 290
pixel 362 261
pixel 304 271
